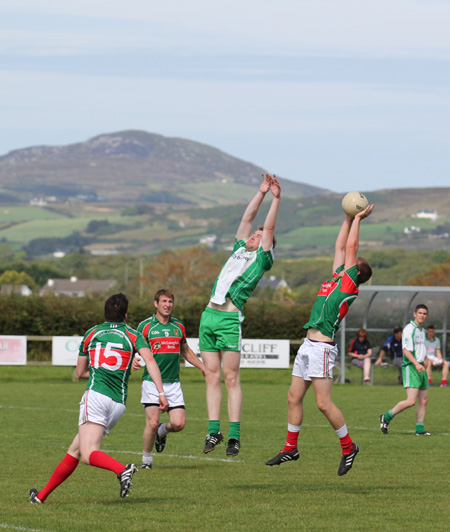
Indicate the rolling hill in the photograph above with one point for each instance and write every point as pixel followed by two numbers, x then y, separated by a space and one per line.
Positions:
pixel 133 166
pixel 136 192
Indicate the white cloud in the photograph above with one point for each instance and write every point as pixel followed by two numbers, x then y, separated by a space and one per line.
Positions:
pixel 357 28
pixel 228 74
pixel 159 104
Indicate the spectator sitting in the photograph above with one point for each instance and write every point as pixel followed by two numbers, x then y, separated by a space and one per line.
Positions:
pixel 434 356
pixel 360 350
pixel 393 347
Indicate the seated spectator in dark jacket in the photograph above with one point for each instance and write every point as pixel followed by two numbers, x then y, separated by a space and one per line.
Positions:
pixel 393 348
pixel 360 351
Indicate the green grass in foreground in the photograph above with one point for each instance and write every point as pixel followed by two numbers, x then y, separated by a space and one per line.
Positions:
pixel 399 481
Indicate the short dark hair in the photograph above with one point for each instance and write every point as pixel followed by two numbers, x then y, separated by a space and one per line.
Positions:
pixel 116 308
pixel 421 306
pixel 164 292
pixel 397 329
pixel 364 269
pixel 431 327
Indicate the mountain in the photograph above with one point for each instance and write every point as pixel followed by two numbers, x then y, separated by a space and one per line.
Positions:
pixel 137 192
pixel 134 166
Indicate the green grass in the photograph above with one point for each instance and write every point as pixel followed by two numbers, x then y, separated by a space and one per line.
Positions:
pixel 20 223
pixel 59 226
pixel 219 193
pixel 324 236
pixel 10 213
pixel 399 482
pixel 26 231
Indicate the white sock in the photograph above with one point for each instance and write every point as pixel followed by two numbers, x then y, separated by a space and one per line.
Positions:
pixel 162 430
pixel 147 458
pixel 342 431
pixel 294 428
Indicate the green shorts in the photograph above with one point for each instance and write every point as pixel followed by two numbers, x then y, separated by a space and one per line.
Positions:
pixel 220 331
pixel 413 379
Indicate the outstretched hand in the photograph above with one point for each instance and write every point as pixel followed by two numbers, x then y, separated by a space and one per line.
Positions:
pixel 275 187
pixel 266 183
pixel 366 212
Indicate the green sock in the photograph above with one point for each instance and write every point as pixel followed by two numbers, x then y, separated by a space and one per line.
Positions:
pixel 235 430
pixel 213 426
pixel 420 426
pixel 389 416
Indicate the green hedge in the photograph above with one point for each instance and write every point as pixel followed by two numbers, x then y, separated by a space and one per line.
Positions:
pixel 65 316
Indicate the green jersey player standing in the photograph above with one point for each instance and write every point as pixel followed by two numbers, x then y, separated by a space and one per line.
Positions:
pixel 220 327
pixel 415 378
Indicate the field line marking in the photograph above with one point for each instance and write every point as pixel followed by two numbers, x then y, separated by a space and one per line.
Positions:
pixel 24 529
pixel 187 457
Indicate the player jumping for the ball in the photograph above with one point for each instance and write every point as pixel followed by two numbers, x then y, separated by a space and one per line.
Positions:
pixel 316 357
pixel 220 334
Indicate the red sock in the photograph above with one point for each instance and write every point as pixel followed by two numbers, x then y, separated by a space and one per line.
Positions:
pixel 291 441
pixel 346 444
pixel 444 382
pixel 429 382
pixel 63 471
pixel 104 461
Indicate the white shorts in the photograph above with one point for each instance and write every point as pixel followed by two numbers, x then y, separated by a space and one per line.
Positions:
pixel 436 360
pixel 173 391
pixel 101 409
pixel 315 359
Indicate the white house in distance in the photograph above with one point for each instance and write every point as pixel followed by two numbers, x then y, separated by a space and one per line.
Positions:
pixel 8 289
pixel 274 283
pixel 75 287
pixel 430 214
pixel 208 240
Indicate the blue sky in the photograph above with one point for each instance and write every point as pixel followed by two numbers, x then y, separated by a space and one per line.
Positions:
pixel 348 95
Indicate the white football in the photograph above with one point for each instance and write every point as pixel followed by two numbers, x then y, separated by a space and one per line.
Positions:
pixel 353 203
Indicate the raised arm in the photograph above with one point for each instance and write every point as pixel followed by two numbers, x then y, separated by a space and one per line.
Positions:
pixel 341 242
pixel 245 227
pixel 352 245
pixel 271 218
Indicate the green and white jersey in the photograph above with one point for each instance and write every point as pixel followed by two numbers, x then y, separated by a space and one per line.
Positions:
pixel 333 301
pixel 240 274
pixel 110 348
pixel 165 340
pixel 413 339
pixel 432 346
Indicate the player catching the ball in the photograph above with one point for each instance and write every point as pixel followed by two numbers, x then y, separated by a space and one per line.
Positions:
pixel 316 357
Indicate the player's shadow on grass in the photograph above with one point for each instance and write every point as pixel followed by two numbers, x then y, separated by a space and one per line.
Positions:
pixel 311 487
pixel 139 501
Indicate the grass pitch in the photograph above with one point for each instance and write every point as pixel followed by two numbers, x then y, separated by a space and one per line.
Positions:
pixel 398 482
